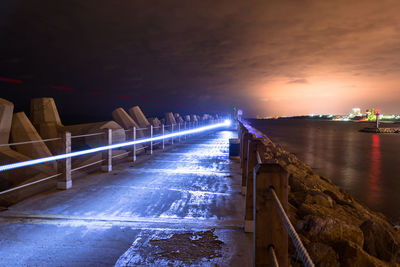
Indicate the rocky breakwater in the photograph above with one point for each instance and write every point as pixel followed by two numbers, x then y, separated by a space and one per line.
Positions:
pixel 336 229
pixel 380 130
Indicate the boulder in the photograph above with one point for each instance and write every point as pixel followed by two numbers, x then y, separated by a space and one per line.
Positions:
pixel 351 254
pixel 378 241
pixel 323 255
pixel 330 230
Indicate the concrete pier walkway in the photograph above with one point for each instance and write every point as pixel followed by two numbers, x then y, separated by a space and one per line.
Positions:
pixel 180 207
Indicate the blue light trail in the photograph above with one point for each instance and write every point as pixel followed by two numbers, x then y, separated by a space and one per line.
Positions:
pixel 102 148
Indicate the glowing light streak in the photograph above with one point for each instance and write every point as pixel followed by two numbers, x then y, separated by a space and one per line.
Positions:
pixel 119 145
pixel 3 79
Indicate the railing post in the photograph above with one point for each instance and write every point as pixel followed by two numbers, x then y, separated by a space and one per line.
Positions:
pixel 179 130
pixel 184 126
pixel 151 142
pixel 269 229
pixel 107 154
pixel 172 131
pixel 134 146
pixel 163 133
pixel 64 166
pixel 251 163
pixel 245 140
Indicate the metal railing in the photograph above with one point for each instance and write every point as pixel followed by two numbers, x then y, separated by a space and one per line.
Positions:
pixel 265 186
pixel 64 166
pixel 31 142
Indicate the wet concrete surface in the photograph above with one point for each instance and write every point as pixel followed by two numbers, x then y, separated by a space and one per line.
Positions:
pixel 181 207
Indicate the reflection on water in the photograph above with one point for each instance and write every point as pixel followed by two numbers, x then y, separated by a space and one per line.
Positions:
pixel 367 165
pixel 374 190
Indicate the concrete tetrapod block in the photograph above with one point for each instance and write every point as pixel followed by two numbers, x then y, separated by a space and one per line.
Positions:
pixel 22 130
pixel 123 119
pixel 155 122
pixel 45 118
pixel 137 114
pixel 17 176
pixel 193 118
pixel 118 133
pixel 126 121
pixel 169 118
pixel 206 117
pixel 6 113
pixel 44 110
pixel 178 118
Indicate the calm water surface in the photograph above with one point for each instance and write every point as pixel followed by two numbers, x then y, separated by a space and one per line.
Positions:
pixel 366 165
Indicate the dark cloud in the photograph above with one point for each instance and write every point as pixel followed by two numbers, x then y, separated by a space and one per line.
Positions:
pixel 203 53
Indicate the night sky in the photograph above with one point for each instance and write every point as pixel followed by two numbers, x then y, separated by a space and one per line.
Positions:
pixel 267 57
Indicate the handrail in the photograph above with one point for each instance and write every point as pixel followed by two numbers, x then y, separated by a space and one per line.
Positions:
pixel 87 165
pixel 305 257
pixel 31 142
pixel 142 129
pixel 271 250
pixel 86 135
pixel 120 155
pixel 65 166
pixel 258 157
pixel 29 184
pixel 109 147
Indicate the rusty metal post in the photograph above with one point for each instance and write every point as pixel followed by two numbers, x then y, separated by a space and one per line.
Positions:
pixel 107 154
pixel 64 165
pixel 269 229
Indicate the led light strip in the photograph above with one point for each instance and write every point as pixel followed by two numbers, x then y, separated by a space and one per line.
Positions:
pixel 102 148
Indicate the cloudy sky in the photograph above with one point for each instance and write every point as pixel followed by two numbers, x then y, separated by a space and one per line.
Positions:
pixel 267 57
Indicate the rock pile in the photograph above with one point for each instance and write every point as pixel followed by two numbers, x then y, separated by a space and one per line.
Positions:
pixel 336 229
